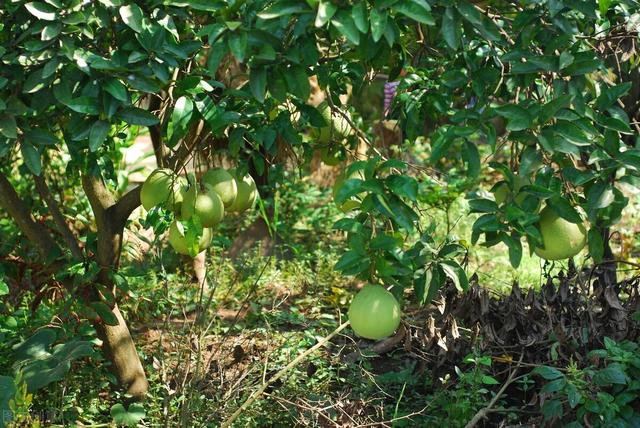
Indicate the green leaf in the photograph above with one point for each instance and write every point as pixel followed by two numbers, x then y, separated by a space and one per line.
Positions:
pixel 36 346
pixel 326 10
pixel 98 134
pixel 298 82
pixel 549 110
pixel 471 156
pixel 515 249
pixel 352 263
pixel 609 95
pixel 143 83
pixel 603 6
pixel 132 16
pixel 486 27
pixel 455 272
pixel 31 157
pixel 344 23
pixel 418 10
pixel 4 288
pixel 451 28
pixel 403 186
pixel 84 105
pixel 282 8
pixel 487 223
pixel 359 15
pixel 137 116
pixel 547 372
pixel 392 207
pixel 564 209
pixel 385 242
pixel 105 312
pixel 116 89
pixel 238 42
pixel 571 132
pixel 599 196
pixel 180 118
pixel 8 126
pixel 612 375
pixel 258 83
pixel 615 124
pixel 41 137
pixel 518 117
pixel 596 245
pixel 41 11
pixel 378 19
pixel 130 417
pixel 51 31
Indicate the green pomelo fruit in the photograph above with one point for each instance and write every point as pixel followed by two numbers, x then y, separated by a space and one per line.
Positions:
pixel 501 192
pixel 176 197
pixel 374 313
pixel 207 206
pixel 561 238
pixel 223 183
pixel 247 193
pixel 338 127
pixel 178 240
pixel 157 188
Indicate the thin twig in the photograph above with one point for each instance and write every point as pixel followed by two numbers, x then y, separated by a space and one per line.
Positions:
pixel 484 411
pixel 281 373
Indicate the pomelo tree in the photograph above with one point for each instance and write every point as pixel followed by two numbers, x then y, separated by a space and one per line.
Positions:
pixel 545 89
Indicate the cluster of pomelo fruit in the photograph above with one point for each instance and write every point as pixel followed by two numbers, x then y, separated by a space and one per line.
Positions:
pixel 220 191
pixel 561 238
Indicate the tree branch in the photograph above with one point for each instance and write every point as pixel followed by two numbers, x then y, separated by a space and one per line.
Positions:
pixel 100 197
pixel 58 218
pixel 159 149
pixel 126 204
pixel 35 232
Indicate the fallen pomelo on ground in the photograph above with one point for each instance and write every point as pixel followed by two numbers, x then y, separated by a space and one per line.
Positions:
pixel 374 313
pixel 561 238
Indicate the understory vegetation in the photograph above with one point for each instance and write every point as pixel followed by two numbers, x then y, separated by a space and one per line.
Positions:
pixel 325 213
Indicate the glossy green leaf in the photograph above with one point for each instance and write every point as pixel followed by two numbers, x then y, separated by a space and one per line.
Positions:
pixel 345 24
pixel 282 8
pixel 8 126
pixel 31 157
pixel 137 116
pixel 133 16
pixel 378 19
pixel 359 15
pixel 418 10
pixel 326 10
pixel 41 10
pixel 258 83
pixel 451 28
pixel 98 134
pixel 518 117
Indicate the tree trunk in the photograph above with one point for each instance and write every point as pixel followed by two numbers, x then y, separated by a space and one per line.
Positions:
pixel 118 345
pixel 120 351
